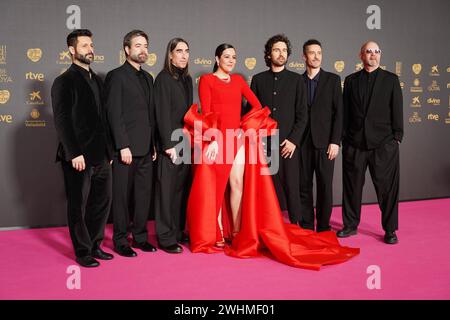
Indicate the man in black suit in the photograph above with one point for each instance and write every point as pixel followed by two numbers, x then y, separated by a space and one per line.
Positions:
pixel 173 97
pixel 130 110
pixel 284 92
pixel 84 149
pixel 322 138
pixel 373 130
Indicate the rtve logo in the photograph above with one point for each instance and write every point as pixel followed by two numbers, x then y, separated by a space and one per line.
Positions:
pixel 7 118
pixel 34 76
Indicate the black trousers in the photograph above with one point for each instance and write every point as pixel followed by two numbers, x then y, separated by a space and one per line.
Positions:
pixel 88 203
pixel 315 160
pixel 288 179
pixel 172 192
pixel 384 167
pixel 132 188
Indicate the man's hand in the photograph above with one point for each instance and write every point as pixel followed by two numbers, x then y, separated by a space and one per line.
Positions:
pixel 126 156
pixel 172 153
pixel 288 149
pixel 78 163
pixel 155 154
pixel 333 150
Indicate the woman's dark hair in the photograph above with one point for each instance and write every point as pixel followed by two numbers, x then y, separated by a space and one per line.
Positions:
pixel 269 45
pixel 168 66
pixel 219 50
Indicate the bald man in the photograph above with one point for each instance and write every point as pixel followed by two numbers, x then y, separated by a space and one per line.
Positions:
pixel 373 130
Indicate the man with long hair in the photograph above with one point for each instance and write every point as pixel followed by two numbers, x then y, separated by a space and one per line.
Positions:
pixel 173 97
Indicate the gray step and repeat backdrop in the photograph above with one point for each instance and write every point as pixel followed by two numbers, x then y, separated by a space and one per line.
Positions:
pixel 413 35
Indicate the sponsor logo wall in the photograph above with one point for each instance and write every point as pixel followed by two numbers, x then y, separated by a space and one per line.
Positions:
pixel 33 53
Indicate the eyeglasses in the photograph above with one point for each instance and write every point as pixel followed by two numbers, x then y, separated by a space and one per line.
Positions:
pixel 370 51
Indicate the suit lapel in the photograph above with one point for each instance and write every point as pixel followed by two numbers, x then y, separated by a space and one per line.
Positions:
pixel 357 84
pixel 134 79
pixel 85 83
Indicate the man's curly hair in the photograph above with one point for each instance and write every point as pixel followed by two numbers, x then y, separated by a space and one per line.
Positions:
pixel 269 44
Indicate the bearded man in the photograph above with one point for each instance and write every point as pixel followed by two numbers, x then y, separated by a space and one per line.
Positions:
pixel 130 111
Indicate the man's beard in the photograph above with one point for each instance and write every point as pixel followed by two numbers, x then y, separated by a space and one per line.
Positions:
pixel 84 58
pixel 278 63
pixel 139 58
pixel 372 63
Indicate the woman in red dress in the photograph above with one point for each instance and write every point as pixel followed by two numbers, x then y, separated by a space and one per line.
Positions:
pixel 232 196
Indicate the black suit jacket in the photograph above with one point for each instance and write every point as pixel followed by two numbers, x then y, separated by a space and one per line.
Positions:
pixel 288 105
pixel 130 114
pixel 79 121
pixel 326 112
pixel 170 107
pixel 382 120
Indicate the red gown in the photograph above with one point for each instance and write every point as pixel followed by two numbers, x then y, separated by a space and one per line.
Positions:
pixel 263 231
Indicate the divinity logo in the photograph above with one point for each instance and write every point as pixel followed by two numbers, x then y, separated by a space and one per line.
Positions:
pixel 227 146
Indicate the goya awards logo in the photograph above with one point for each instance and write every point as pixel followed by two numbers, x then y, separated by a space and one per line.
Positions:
pixel 4 96
pixel 416 68
pixel 34 54
pixel 2 54
pixel 250 63
pixel 4 76
pixel 151 60
pixel 339 66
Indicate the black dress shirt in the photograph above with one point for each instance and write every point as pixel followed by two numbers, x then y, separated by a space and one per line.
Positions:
pixel 311 85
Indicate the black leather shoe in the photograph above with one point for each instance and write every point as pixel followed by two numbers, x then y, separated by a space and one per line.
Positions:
pixel 346 232
pixel 102 255
pixel 175 248
pixel 144 246
pixel 184 238
pixel 87 261
pixel 125 251
pixel 390 238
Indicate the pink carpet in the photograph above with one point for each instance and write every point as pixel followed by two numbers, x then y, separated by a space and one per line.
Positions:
pixel 34 263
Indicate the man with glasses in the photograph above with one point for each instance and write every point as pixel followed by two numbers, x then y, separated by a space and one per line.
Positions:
pixel 373 130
